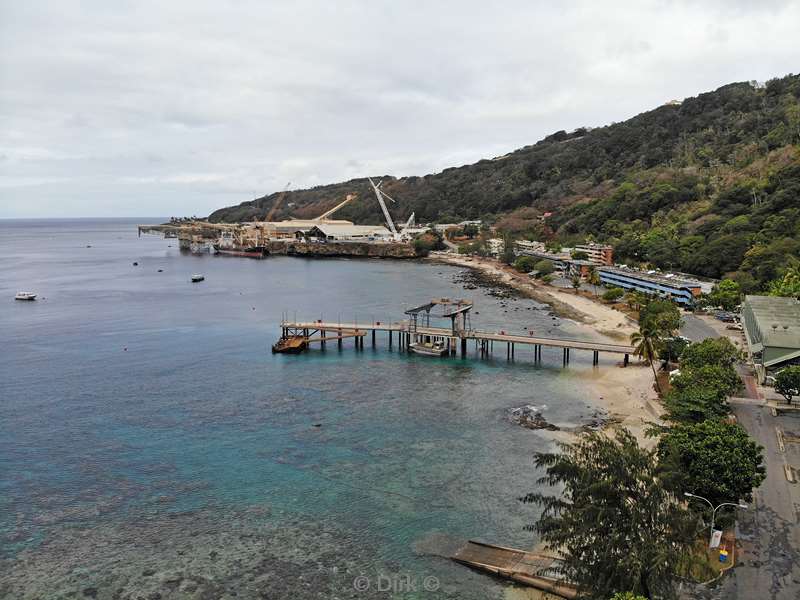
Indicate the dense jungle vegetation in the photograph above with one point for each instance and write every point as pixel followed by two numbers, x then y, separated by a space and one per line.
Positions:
pixel 709 186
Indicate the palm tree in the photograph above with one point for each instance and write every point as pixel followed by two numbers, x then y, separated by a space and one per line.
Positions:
pixel 647 343
pixel 576 282
pixel 594 278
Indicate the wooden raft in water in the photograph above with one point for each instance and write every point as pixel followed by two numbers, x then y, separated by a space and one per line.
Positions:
pixel 540 571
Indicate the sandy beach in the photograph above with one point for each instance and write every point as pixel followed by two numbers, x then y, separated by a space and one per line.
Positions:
pixel 604 319
pixel 627 394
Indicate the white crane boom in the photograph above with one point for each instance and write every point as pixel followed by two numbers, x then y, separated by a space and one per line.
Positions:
pixel 328 213
pixel 379 194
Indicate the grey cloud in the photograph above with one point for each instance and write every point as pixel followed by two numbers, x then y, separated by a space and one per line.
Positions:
pixel 182 107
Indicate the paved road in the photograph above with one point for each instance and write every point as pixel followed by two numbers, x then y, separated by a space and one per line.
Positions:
pixel 696 329
pixel 768 565
pixel 768 557
pixel 450 245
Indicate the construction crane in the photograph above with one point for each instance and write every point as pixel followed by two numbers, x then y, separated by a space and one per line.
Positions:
pixel 349 198
pixel 411 221
pixel 380 195
pixel 277 203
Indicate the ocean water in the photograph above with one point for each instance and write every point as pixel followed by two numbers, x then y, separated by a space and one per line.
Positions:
pixel 150 443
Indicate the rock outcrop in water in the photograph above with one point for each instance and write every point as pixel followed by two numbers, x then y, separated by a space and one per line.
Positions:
pixel 531 417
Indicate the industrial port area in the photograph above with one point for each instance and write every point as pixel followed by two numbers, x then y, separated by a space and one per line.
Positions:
pixel 319 236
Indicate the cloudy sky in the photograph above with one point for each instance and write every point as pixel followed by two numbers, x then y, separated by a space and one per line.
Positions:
pixel 177 107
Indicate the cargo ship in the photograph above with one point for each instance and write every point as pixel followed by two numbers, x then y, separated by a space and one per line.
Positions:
pixel 250 251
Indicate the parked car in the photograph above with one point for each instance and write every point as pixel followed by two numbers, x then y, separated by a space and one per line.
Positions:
pixel 725 316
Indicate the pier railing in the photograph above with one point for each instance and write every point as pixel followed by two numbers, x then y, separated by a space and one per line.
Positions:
pixel 485 340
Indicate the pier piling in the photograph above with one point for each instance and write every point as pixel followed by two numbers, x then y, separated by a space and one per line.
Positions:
pixel 407 332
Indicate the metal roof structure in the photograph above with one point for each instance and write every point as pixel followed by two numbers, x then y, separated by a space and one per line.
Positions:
pixel 772 328
pixel 654 277
pixel 337 230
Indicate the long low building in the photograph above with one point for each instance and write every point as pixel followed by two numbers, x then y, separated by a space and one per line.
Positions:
pixel 347 233
pixel 682 291
pixel 772 330
pixel 288 229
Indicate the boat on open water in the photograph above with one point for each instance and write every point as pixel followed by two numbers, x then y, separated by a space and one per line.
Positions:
pixel 25 296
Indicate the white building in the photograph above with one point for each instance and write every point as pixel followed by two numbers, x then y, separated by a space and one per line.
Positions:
pixel 347 233
pixel 525 248
pixel 495 246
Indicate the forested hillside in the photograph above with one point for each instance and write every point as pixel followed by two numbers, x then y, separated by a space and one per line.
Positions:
pixel 709 186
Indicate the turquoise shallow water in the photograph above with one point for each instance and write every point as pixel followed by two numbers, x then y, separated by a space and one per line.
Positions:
pixel 131 397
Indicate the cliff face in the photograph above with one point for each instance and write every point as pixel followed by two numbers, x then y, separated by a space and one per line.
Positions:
pixel 351 249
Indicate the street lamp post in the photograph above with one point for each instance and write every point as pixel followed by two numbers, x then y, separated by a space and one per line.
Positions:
pixel 714 510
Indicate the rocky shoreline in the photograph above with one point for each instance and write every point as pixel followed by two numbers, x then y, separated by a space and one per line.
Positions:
pixel 494 275
pixel 532 417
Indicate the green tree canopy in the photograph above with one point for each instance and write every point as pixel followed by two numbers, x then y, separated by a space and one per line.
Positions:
pixel 713 459
pixel 613 294
pixel 635 299
pixel 507 253
pixel 706 380
pixel 711 351
pixel 789 284
pixel 673 348
pixel 722 378
pixel 544 266
pixel 477 246
pixel 616 524
pixel 662 316
pixel 695 404
pixel 726 295
pixel 594 278
pixel 787 382
pixel 525 264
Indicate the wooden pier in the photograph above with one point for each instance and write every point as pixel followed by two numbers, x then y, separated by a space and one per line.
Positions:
pixel 541 571
pixel 455 338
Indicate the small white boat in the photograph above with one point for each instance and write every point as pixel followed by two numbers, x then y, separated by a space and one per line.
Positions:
pixel 196 278
pixel 429 349
pixel 25 296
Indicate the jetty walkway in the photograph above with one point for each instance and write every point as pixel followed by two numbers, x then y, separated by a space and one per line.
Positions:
pixel 453 337
pixel 540 571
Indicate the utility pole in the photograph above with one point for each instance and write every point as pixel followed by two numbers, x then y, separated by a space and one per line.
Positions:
pixel 713 512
